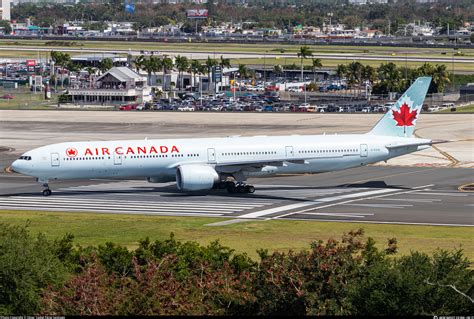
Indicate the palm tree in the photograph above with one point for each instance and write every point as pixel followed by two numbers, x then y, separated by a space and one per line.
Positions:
pixel 390 77
pixel 90 71
pixel 341 70
pixel 138 62
pixel 73 68
pixel 316 64
pixel 167 65
pixel 194 68
pixel 243 72
pixel 354 73
pixel 439 75
pixel 200 70
pixel 369 73
pixel 147 65
pixel 210 63
pixel 156 64
pixel 278 69
pixel 61 59
pixel 304 53
pixel 182 65
pixel 224 63
pixel 105 65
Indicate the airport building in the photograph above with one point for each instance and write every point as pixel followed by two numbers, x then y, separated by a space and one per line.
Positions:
pixel 5 9
pixel 119 85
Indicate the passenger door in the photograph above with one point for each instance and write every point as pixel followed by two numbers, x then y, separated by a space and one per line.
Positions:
pixel 54 159
pixel 364 150
pixel 117 159
pixel 211 155
pixel 289 151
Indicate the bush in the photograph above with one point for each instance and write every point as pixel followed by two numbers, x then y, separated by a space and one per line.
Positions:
pixel 168 277
pixel 27 265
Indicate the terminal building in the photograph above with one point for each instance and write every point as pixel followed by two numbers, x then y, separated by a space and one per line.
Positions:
pixel 119 85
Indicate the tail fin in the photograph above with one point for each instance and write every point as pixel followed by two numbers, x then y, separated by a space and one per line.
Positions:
pixel 400 120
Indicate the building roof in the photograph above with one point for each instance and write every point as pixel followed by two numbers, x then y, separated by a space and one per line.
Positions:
pixel 122 73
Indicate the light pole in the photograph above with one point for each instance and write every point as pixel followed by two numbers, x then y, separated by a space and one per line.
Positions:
pixel 264 69
pixel 452 69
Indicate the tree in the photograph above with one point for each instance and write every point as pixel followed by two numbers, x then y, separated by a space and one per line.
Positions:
pixel 148 66
pixel 90 71
pixel 27 265
pixel 138 62
pixel 304 53
pixel 194 68
pixel 369 73
pixel 105 65
pixel 60 59
pixel 390 78
pixel 7 29
pixel 341 70
pixel 243 72
pixel 224 63
pixel 182 64
pixel 439 74
pixel 316 64
pixel 167 65
pixel 278 69
pixel 210 64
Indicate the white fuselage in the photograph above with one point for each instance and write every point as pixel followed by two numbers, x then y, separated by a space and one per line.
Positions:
pixel 159 159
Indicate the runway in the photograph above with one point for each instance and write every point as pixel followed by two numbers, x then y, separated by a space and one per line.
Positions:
pixel 393 195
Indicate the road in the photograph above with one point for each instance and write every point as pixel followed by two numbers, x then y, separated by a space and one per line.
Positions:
pixel 201 55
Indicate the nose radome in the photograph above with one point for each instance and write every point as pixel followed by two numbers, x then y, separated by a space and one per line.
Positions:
pixel 16 166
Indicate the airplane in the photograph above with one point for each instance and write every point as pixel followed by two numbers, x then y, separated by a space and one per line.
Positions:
pixel 202 164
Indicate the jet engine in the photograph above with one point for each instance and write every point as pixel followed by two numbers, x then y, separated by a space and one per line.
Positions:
pixel 196 177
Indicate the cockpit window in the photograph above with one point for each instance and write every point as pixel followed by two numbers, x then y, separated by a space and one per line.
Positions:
pixel 26 158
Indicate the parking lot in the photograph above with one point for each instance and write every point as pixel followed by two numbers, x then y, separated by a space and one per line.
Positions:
pixel 252 102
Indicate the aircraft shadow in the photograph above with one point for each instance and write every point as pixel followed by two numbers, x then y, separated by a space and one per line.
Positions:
pixel 170 191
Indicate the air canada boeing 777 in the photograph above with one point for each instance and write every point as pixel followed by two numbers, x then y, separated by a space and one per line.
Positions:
pixel 200 164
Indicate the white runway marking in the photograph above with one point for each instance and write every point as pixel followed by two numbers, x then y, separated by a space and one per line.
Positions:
pixel 354 215
pixel 313 202
pixel 443 194
pixel 379 205
pixel 415 200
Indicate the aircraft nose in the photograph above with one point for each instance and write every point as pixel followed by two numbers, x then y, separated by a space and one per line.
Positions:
pixel 16 167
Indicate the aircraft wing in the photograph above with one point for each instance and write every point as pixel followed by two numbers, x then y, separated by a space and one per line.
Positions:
pixel 257 164
pixel 238 165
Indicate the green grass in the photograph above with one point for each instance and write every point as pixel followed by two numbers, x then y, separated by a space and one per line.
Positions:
pixel 236 47
pixel 24 99
pixel 280 235
pixel 332 63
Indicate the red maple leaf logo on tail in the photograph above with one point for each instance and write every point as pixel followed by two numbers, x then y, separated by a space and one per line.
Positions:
pixel 71 152
pixel 405 116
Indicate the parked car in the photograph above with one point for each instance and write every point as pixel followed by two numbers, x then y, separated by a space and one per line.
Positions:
pixel 7 97
pixel 186 108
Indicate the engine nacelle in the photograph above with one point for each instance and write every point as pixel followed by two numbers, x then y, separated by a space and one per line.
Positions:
pixel 196 177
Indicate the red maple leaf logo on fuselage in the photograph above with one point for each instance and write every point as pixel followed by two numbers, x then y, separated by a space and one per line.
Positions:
pixel 404 116
pixel 71 152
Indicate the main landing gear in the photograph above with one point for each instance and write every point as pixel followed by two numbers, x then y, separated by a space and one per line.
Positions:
pixel 240 188
pixel 46 191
